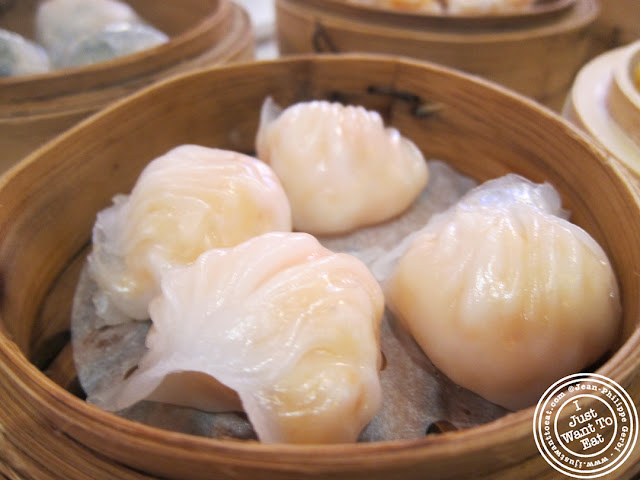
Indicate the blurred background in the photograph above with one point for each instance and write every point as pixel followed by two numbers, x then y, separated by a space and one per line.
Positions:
pixel 262 13
pixel 538 53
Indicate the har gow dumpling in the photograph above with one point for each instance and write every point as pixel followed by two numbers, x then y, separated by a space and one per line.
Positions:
pixel 290 326
pixel 506 296
pixel 113 41
pixel 60 23
pixel 185 202
pixel 341 168
pixel 19 56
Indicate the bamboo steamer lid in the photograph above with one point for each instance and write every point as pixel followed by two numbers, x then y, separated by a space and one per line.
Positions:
pixel 35 108
pixel 50 200
pixel 605 102
pixel 535 54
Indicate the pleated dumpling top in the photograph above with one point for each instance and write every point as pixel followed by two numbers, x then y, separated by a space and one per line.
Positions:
pixel 341 167
pixel 185 202
pixel 505 295
pixel 289 326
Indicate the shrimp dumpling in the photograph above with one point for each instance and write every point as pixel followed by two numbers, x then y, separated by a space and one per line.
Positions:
pixel 341 168
pixel 113 41
pixel 185 202
pixel 506 296
pixel 288 325
pixel 60 23
pixel 20 56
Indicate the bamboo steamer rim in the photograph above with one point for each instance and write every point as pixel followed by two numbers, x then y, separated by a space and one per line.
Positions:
pixel 581 14
pixel 75 417
pixel 624 98
pixel 543 10
pixel 185 45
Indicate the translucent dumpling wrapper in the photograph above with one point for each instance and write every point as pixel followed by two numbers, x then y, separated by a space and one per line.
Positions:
pixel 505 295
pixel 341 168
pixel 113 41
pixel 20 56
pixel 185 202
pixel 414 393
pixel 288 325
pixel 61 23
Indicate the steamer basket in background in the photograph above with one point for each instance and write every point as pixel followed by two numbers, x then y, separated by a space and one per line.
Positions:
pixel 605 102
pixel 35 108
pixel 51 198
pixel 536 54
pixel 617 25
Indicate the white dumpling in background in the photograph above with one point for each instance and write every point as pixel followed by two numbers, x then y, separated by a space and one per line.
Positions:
pixel 60 23
pixel 504 295
pixel 113 41
pixel 19 56
pixel 290 326
pixel 475 7
pixel 341 168
pixel 185 202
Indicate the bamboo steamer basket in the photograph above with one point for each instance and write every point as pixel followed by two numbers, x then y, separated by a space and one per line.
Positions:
pixel 35 108
pixel 617 25
pixel 605 102
pixel 536 55
pixel 50 200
